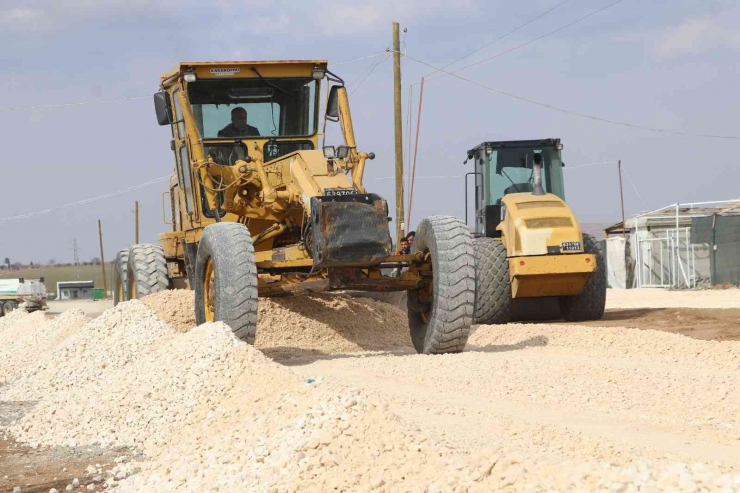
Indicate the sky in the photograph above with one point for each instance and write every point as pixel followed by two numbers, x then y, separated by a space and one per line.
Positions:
pixel 667 64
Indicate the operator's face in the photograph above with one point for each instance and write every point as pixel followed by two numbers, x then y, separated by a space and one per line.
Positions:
pixel 239 119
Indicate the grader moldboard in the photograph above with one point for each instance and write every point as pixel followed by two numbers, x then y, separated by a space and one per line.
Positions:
pixel 532 260
pixel 257 209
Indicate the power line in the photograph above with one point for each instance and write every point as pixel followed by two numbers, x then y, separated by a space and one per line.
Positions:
pixel 359 59
pixel 605 163
pixel 85 201
pixel 634 187
pixel 376 65
pixel 535 39
pixel 570 112
pixel 501 37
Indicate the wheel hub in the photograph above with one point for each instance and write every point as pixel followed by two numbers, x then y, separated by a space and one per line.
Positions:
pixel 209 289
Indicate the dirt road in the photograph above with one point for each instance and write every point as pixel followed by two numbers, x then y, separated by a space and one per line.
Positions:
pixel 333 398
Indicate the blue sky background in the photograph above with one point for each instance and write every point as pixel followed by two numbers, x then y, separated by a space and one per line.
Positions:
pixel 666 64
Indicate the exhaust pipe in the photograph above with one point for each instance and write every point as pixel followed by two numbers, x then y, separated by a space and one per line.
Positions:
pixel 537 175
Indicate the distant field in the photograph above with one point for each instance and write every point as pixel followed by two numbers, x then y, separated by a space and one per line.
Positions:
pixel 52 275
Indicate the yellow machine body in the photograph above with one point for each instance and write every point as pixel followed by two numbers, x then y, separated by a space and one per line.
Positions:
pixel 544 246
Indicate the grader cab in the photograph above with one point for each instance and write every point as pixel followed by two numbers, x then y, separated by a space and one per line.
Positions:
pixel 258 208
pixel 531 254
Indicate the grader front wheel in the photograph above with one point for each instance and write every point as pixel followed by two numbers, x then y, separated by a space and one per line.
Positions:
pixel 440 323
pixel 147 271
pixel 226 279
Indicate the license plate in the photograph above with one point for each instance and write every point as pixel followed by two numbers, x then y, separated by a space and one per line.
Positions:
pixel 337 192
pixel 571 246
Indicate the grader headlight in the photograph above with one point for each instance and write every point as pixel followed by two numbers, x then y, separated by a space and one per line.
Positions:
pixel 329 152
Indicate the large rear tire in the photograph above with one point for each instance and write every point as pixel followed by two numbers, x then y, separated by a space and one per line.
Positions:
pixel 120 277
pixel 444 326
pixel 492 283
pixel 226 279
pixel 590 304
pixel 147 271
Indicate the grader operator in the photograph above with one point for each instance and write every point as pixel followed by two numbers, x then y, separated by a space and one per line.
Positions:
pixel 259 209
pixel 530 252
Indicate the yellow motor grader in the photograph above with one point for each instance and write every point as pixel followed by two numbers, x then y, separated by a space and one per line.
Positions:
pixel 532 260
pixel 259 209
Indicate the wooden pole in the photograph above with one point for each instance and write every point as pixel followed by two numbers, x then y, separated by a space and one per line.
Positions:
pixel 137 223
pixel 102 259
pixel 416 149
pixel 621 196
pixel 399 132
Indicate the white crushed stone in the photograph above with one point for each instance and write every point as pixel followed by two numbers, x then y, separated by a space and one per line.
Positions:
pixel 664 298
pixel 211 413
pixel 23 334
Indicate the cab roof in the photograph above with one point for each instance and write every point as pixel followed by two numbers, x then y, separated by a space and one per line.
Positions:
pixel 204 67
pixel 516 144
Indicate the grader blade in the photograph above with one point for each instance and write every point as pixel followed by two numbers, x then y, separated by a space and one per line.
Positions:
pixel 350 230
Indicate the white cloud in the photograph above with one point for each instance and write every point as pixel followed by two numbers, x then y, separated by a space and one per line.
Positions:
pixel 696 35
pixel 49 15
pixel 23 19
pixel 343 18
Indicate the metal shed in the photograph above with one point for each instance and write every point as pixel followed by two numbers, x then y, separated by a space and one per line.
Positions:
pixel 74 290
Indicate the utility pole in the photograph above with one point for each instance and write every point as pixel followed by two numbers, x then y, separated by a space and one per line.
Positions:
pixel 399 135
pixel 416 148
pixel 102 258
pixel 77 261
pixel 621 196
pixel 136 213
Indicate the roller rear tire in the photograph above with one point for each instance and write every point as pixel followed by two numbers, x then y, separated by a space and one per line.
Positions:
pixel 590 304
pixel 492 283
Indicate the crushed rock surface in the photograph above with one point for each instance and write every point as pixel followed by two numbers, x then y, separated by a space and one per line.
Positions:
pixel 664 298
pixel 526 408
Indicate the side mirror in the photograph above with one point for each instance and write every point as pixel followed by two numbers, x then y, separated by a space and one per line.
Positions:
pixel 163 107
pixel 332 103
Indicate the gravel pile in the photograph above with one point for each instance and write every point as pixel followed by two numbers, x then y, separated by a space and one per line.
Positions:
pixel 26 337
pixel 211 413
pixel 316 324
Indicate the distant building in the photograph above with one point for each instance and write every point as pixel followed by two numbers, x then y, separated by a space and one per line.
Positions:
pixel 678 246
pixel 75 290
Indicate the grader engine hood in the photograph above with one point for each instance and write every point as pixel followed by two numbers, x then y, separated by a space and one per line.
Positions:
pixel 539 225
pixel 347 228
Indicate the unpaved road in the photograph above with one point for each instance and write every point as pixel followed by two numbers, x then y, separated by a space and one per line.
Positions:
pixel 563 393
pixel 341 400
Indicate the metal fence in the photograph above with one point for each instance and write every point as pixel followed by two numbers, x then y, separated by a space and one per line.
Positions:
pixel 686 245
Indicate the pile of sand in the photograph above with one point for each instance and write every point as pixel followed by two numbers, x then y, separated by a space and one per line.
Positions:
pixel 306 324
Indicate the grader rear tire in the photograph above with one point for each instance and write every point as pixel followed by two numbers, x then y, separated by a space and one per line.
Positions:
pixel 590 304
pixel 492 284
pixel 120 278
pixel 147 271
pixel 444 326
pixel 226 279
